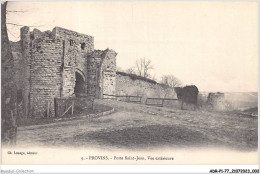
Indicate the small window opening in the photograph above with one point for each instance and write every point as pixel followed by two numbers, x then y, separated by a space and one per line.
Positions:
pixel 83 45
pixel 72 42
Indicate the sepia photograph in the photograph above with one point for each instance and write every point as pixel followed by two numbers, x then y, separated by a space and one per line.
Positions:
pixel 129 82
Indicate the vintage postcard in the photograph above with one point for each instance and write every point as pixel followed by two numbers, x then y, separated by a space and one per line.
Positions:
pixel 145 82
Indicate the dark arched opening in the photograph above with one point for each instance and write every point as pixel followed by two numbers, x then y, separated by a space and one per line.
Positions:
pixel 79 85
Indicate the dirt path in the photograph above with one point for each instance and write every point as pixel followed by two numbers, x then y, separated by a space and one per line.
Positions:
pixel 139 126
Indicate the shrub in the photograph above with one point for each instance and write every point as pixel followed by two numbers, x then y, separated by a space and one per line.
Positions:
pixel 188 94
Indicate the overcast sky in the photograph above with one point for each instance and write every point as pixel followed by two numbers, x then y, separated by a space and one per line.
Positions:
pixel 212 45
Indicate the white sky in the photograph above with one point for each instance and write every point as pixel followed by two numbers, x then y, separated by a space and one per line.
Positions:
pixel 213 45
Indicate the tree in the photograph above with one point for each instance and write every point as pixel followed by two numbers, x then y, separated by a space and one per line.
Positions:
pixel 171 81
pixel 188 94
pixel 143 66
pixel 130 71
pixel 8 87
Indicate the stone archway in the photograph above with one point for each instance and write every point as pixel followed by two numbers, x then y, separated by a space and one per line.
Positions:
pixel 79 84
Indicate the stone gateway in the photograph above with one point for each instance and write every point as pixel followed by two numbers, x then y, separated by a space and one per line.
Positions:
pixel 60 63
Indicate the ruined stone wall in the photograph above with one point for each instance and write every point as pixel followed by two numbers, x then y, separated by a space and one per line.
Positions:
pixel 93 70
pixel 73 61
pixel 217 101
pixel 75 37
pixel 108 73
pixel 101 73
pixel 76 46
pixel 127 86
pixel 45 75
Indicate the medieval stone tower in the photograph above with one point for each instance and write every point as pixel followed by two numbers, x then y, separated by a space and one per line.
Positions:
pixel 217 101
pixel 60 63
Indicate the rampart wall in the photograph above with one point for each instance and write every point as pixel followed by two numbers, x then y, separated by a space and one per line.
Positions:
pixel 125 85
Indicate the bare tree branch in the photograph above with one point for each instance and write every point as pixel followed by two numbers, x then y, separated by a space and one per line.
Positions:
pixel 171 81
pixel 143 66
pixel 130 71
